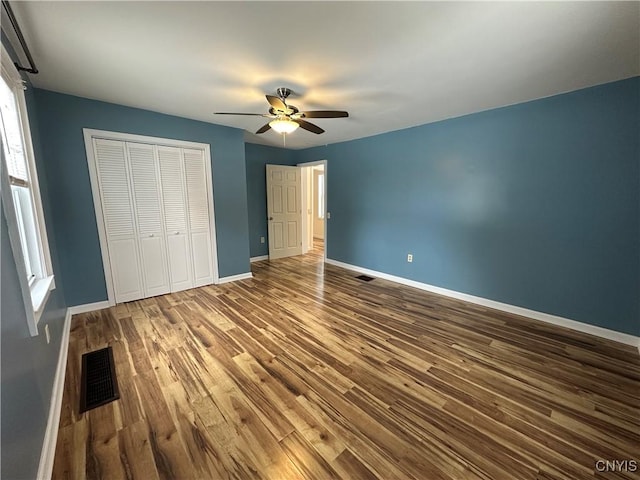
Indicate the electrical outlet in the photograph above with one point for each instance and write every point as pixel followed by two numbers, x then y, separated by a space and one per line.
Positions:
pixel 46 332
pixel 409 257
pixel 328 215
pixel 261 239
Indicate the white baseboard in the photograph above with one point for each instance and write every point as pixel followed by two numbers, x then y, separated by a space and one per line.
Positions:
pixel 48 452
pixel 259 258
pixel 89 307
pixel 233 278
pixel 525 312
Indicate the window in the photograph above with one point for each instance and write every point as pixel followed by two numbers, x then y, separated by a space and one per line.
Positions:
pixel 21 196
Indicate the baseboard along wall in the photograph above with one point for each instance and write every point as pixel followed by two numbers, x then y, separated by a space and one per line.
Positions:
pixel 90 307
pixel 233 278
pixel 47 454
pixel 505 307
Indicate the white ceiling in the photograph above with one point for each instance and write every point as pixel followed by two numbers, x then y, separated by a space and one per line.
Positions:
pixel 390 64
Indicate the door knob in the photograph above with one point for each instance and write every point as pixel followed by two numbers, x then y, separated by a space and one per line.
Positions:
pixel 177 233
pixel 270 218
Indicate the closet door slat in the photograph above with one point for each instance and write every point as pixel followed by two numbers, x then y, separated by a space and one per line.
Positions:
pixel 119 221
pixel 176 217
pixel 145 182
pixel 198 204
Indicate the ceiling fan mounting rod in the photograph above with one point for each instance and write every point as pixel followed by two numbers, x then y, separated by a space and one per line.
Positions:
pixel 283 92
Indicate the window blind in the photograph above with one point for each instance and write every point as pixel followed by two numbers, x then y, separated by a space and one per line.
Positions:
pixel 12 136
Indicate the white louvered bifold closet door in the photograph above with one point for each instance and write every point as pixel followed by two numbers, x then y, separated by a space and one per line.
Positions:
pixel 199 215
pixel 145 183
pixel 174 198
pixel 157 218
pixel 118 215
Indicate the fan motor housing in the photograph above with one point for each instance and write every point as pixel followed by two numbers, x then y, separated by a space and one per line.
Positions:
pixel 283 92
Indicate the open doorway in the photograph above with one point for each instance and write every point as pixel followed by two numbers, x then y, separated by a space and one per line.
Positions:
pixel 314 204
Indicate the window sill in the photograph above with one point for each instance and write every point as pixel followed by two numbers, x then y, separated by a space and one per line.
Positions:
pixel 40 290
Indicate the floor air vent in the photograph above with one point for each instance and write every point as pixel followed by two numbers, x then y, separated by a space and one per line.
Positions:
pixel 99 385
pixel 364 278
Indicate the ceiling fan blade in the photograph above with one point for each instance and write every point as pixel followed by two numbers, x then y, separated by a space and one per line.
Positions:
pixel 263 128
pixel 276 103
pixel 234 113
pixel 325 114
pixel 309 126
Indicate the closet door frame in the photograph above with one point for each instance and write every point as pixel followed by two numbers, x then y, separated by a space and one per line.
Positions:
pixel 89 136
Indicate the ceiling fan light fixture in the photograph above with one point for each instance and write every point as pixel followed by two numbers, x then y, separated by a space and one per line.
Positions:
pixel 283 125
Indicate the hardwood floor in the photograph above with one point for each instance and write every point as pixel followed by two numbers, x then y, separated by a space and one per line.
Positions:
pixel 305 372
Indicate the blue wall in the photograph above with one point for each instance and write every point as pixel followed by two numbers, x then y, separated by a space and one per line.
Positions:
pixel 28 363
pixel 535 205
pixel 257 157
pixel 61 120
pixel 28 370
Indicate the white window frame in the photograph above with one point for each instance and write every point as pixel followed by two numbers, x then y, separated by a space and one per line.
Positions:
pixel 35 292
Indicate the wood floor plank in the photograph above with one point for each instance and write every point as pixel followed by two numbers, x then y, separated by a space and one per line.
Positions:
pixel 102 447
pixel 306 372
pixel 135 452
pixel 311 465
pixel 349 466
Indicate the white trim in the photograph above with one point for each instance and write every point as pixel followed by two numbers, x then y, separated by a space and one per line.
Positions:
pixel 40 291
pixel 326 189
pixel 312 164
pixel 131 137
pixel 505 307
pixel 259 258
pixel 16 245
pixel 8 69
pixel 34 189
pixel 304 204
pixel 47 454
pixel 89 134
pixel 208 166
pixel 90 307
pixel 97 208
pixel 36 294
pixel 233 278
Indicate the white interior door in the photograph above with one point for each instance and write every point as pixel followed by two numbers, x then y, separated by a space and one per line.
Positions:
pixel 145 184
pixel 283 211
pixel 198 206
pixel 174 198
pixel 118 217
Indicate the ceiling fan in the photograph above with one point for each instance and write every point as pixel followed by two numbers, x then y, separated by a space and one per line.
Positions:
pixel 287 118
